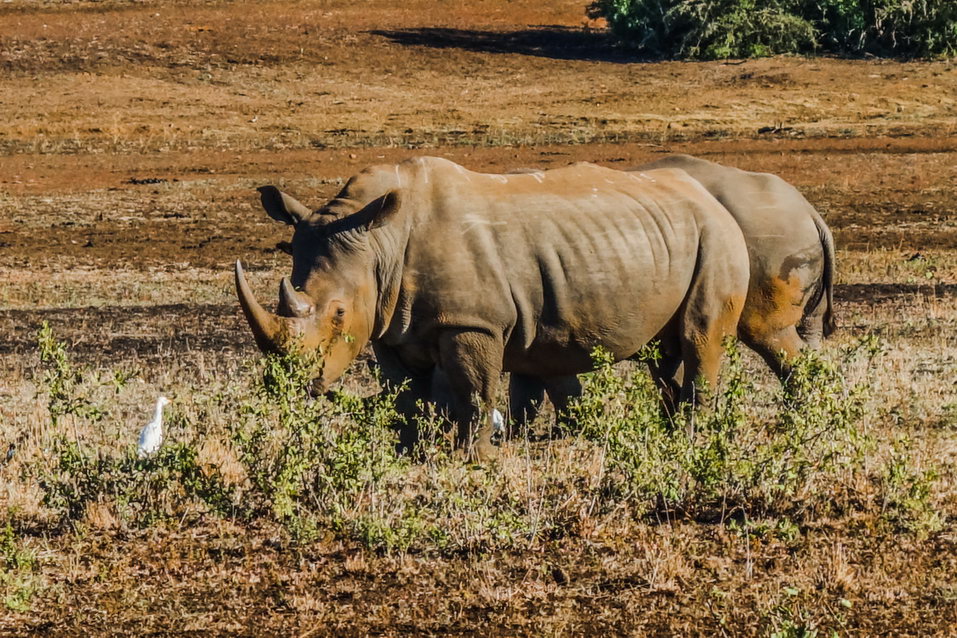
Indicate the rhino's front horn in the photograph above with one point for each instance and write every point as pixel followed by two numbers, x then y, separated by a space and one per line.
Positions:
pixel 265 325
pixel 293 303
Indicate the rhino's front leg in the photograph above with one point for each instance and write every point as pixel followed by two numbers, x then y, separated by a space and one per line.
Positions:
pixel 472 364
pixel 416 391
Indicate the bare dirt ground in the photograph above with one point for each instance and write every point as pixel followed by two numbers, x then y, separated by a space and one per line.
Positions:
pixel 133 135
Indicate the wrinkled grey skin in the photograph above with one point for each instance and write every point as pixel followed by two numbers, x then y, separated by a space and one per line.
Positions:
pixel 473 275
pixel 790 297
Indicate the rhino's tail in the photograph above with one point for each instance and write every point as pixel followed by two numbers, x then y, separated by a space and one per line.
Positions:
pixel 825 291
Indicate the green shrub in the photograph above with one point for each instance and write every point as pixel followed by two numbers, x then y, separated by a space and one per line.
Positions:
pixel 18 567
pixel 885 27
pixel 726 458
pixel 139 491
pixel 711 29
pixel 743 30
pixel 62 382
pixel 706 29
pixel 908 491
pixel 312 457
pixel 329 465
pixel 76 471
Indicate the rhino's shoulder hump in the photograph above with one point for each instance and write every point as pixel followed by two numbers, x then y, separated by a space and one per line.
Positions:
pixel 681 160
pixel 377 173
pixel 378 179
pixel 427 169
pixel 430 163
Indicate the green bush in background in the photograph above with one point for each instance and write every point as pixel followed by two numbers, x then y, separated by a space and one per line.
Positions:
pixel 709 29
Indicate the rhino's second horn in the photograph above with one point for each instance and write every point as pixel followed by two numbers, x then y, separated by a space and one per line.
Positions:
pixel 293 303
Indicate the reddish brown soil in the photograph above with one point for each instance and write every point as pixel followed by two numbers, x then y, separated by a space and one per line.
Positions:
pixel 910 203
pixel 254 584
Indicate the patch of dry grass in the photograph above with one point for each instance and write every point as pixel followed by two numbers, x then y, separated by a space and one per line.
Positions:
pixel 753 575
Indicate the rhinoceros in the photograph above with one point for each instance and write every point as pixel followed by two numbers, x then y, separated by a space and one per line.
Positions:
pixel 790 296
pixel 475 274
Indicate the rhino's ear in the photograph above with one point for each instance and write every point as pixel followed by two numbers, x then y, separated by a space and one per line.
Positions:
pixel 282 207
pixel 380 211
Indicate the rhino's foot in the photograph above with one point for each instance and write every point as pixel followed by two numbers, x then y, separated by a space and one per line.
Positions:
pixel 480 452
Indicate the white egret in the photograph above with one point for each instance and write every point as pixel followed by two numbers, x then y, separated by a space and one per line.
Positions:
pixel 498 422
pixel 151 437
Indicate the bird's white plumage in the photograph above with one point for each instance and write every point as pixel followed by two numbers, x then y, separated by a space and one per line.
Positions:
pixel 498 422
pixel 151 436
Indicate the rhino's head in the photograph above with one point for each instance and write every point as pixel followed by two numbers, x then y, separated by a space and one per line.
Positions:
pixel 329 303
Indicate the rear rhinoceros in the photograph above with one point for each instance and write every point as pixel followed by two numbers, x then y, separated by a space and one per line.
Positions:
pixel 790 296
pixel 474 274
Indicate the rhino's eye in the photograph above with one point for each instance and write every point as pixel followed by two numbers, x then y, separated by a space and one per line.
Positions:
pixel 340 312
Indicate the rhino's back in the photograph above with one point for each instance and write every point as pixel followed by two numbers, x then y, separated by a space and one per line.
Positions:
pixel 784 243
pixel 558 261
pixel 774 216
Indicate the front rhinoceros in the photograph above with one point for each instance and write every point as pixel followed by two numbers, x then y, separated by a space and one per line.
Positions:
pixel 476 274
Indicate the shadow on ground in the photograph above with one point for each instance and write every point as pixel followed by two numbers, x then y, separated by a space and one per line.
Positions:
pixel 145 331
pixel 557 42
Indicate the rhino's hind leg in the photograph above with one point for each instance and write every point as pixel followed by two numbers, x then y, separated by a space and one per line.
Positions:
pixel 711 313
pixel 663 373
pixel 769 326
pixel 811 328
pixel 527 393
pixel 664 365
pixel 778 348
pixel 702 354
pixel 525 397
pixel 472 364
pixel 773 321
pixel 562 391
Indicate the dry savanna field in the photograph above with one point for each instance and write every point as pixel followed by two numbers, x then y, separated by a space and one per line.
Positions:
pixel 132 137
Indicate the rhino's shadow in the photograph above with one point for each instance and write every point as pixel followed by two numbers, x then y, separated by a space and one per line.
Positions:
pixel 557 42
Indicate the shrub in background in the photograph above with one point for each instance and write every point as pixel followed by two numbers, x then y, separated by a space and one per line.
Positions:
pixel 706 29
pixel 885 27
pixel 710 29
